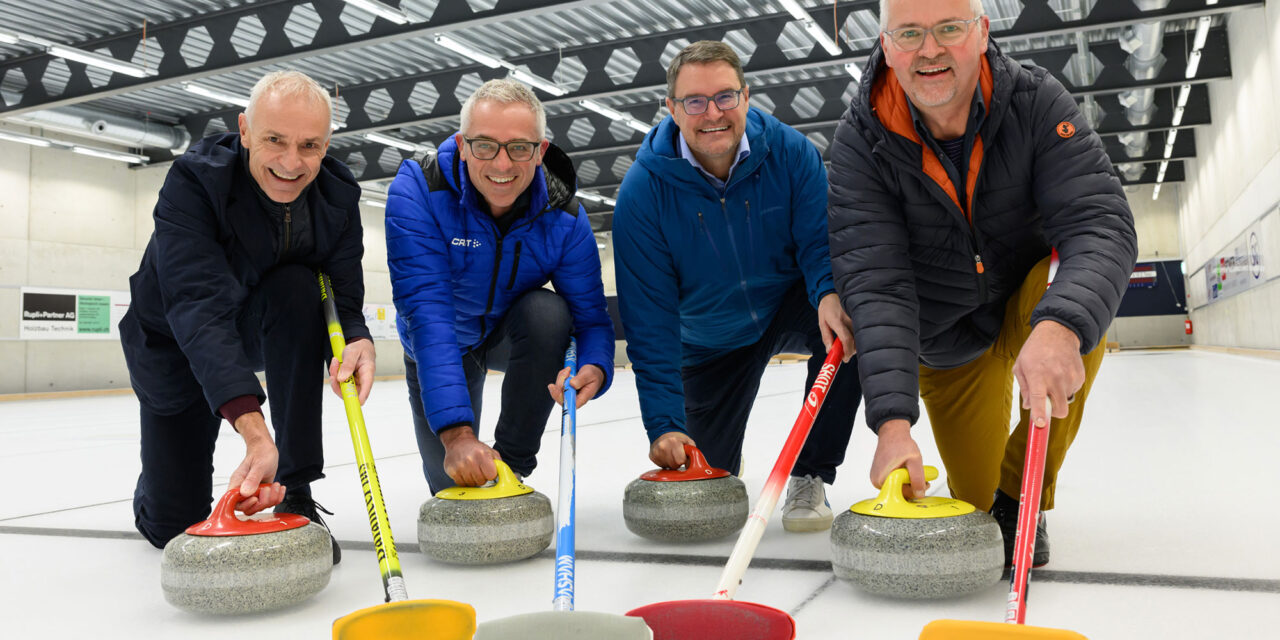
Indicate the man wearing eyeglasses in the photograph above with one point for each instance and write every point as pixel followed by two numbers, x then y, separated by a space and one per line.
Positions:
pixel 954 173
pixel 720 241
pixel 473 233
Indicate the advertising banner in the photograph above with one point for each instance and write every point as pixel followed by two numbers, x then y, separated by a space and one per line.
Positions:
pixel 71 314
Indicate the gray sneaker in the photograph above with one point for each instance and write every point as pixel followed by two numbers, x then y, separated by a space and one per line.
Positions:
pixel 806 508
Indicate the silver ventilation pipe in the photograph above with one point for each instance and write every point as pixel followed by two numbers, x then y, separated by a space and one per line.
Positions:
pixel 107 127
pixel 1143 42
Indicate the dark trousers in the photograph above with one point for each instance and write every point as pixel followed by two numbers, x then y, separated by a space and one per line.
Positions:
pixel 719 393
pixel 528 346
pixel 282 332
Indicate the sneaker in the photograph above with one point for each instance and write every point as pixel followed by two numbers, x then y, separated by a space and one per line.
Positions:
pixel 1005 511
pixel 303 505
pixel 806 508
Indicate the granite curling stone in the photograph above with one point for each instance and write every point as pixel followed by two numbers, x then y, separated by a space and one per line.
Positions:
pixel 504 522
pixel 922 549
pixel 226 565
pixel 697 503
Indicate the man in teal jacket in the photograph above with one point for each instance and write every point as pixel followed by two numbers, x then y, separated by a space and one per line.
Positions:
pixel 720 240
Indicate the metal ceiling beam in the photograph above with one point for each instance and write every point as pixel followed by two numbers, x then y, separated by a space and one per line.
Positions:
pixel 275 47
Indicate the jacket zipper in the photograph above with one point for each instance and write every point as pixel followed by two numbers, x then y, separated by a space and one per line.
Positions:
pixel 975 243
pixel 288 218
pixel 515 266
pixel 742 276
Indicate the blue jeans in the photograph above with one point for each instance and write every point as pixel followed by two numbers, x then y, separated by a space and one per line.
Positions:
pixel 528 345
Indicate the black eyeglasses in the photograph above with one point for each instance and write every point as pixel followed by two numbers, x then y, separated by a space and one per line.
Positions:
pixel 486 149
pixel 946 34
pixel 725 100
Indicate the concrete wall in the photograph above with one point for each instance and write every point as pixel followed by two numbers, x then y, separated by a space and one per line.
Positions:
pixel 1235 182
pixel 71 221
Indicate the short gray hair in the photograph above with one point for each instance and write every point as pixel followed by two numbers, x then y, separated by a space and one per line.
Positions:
pixel 974 5
pixel 703 52
pixel 506 91
pixel 288 84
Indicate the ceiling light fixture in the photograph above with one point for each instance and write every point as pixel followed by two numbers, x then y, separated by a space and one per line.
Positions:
pixel 468 51
pixel 216 94
pixel 98 60
pixel 793 7
pixel 110 155
pixel 381 10
pixel 391 141
pixel 539 82
pixel 854 70
pixel 35 141
pixel 614 114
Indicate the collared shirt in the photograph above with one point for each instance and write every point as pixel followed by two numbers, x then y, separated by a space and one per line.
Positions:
pixel 744 150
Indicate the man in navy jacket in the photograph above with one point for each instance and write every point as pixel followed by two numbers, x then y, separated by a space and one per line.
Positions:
pixel 227 287
pixel 720 239
pixel 474 232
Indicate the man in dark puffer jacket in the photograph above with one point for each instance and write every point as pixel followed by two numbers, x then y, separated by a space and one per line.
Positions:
pixel 954 173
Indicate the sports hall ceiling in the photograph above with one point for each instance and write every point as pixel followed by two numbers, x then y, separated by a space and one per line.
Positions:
pixel 1139 68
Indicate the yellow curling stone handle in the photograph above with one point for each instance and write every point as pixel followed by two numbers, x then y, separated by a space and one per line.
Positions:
pixel 506 486
pixel 891 503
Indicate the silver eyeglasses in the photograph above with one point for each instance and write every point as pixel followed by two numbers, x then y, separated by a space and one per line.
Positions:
pixel 946 34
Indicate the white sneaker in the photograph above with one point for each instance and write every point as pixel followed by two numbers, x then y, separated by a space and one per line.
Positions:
pixel 806 508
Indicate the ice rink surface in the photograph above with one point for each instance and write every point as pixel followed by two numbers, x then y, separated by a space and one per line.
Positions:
pixel 1166 525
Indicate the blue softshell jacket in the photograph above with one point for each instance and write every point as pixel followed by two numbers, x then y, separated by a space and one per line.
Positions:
pixel 701 273
pixel 453 276
pixel 213 242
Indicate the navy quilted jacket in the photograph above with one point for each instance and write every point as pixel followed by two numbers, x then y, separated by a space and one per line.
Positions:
pixel 453 276
pixel 926 283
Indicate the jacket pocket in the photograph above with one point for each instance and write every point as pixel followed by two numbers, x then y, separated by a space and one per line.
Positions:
pixel 515 265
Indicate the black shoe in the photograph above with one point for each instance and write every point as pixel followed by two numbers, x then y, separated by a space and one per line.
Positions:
pixel 1005 511
pixel 303 505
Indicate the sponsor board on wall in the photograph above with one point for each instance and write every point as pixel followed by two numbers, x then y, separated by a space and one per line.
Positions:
pixel 381 320
pixel 1238 267
pixel 70 314
pixel 1143 277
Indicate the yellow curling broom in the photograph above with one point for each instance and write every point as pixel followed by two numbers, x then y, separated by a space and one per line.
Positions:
pixel 400 617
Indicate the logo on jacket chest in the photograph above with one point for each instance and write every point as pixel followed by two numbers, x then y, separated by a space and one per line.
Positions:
pixel 465 242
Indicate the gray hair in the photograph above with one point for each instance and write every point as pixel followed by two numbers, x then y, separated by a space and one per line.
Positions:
pixel 288 84
pixel 703 52
pixel 974 5
pixel 506 91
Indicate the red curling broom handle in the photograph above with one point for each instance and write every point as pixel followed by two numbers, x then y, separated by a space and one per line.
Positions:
pixel 1028 516
pixel 759 518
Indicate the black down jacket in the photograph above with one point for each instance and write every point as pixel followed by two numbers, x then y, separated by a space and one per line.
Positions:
pixel 925 283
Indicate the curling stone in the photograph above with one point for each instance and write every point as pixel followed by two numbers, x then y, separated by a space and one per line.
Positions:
pixel 929 548
pixel 699 502
pixel 502 522
pixel 226 565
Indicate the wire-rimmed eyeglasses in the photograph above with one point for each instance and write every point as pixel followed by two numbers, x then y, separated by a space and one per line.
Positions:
pixel 946 34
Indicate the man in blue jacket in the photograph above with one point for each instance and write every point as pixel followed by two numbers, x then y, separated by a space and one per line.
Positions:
pixel 227 287
pixel 955 173
pixel 720 241
pixel 473 234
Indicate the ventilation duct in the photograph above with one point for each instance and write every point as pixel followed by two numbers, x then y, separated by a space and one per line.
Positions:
pixel 107 127
pixel 1143 42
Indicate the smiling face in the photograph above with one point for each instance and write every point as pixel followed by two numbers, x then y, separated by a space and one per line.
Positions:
pixel 936 77
pixel 287 141
pixel 500 180
pixel 712 135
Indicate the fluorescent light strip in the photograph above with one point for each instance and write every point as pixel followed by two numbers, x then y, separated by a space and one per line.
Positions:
pixel 392 141
pixel 1155 193
pixel 1193 64
pixel 469 52
pixel 821 37
pixel 110 155
pixel 854 70
pixel 375 203
pixel 98 60
pixel 795 9
pixel 215 94
pixel 614 114
pixel 35 141
pixel 541 83
pixel 1168 145
pixel 587 195
pixel 1202 32
pixel 377 8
